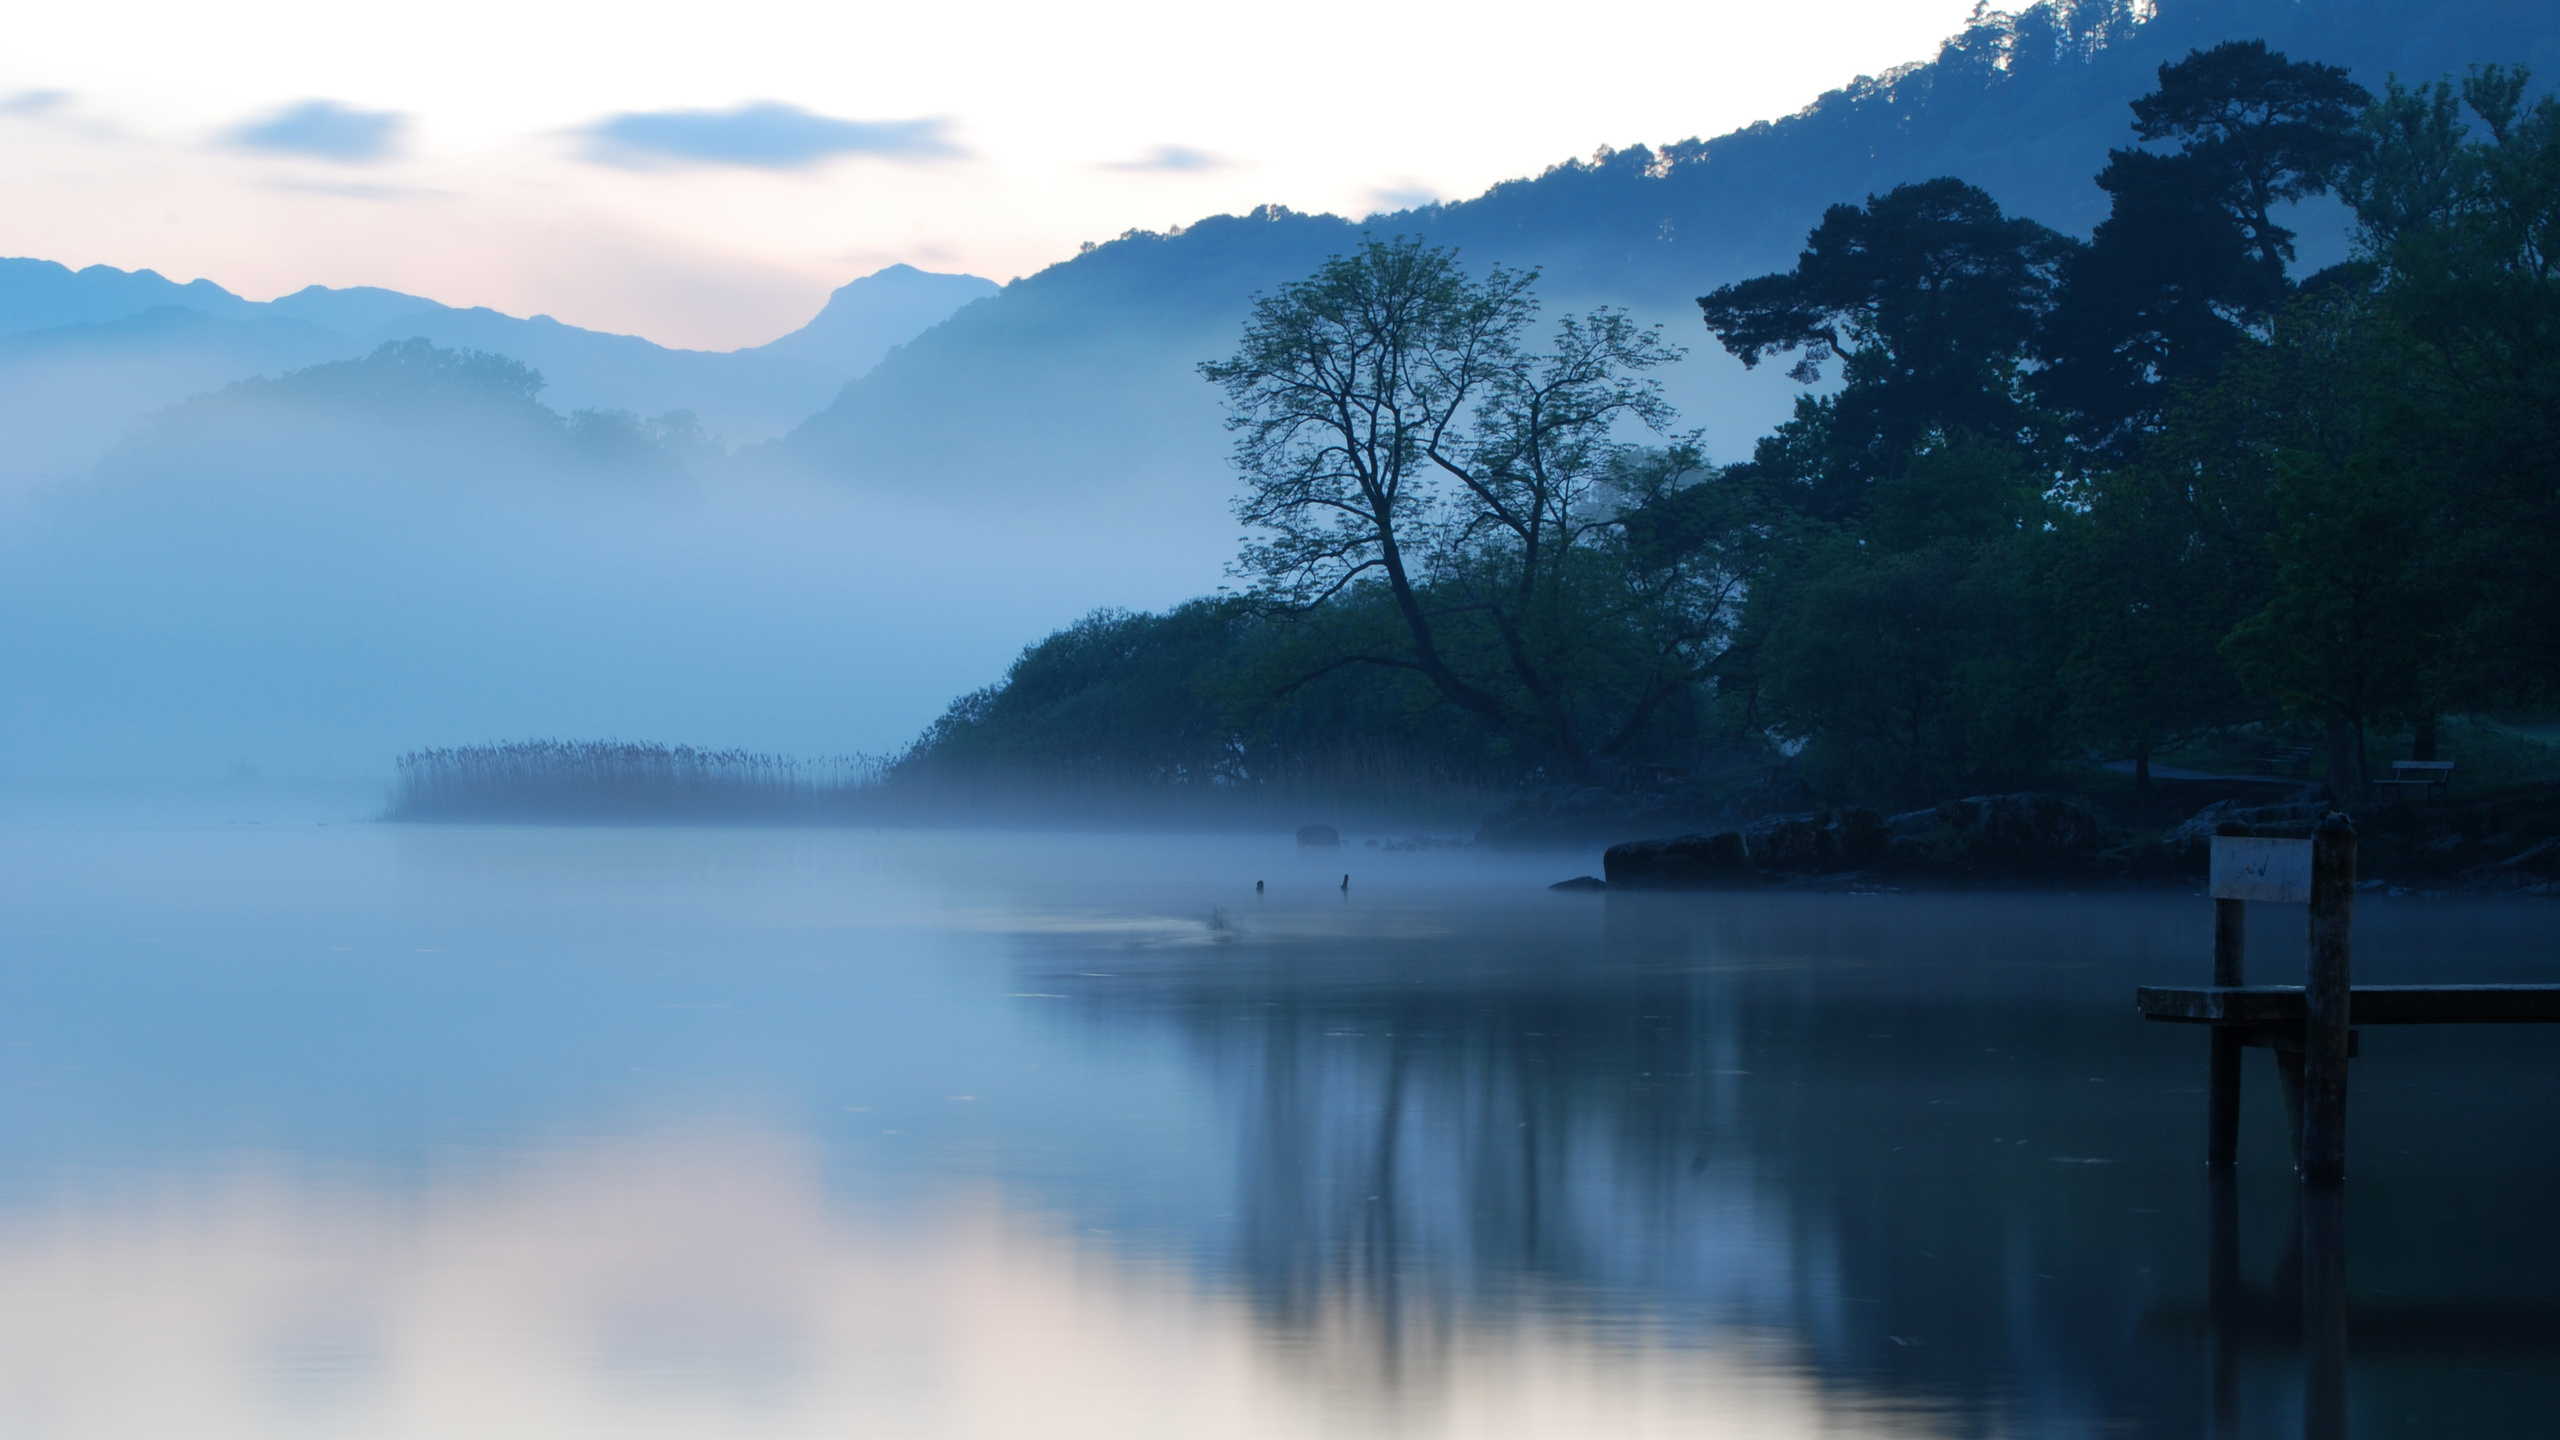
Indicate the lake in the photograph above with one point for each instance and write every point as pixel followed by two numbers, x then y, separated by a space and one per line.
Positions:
pixel 311 1126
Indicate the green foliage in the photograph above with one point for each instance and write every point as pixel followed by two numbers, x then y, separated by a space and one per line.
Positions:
pixel 1399 428
pixel 2113 499
pixel 2190 263
pixel 1211 696
pixel 2466 340
pixel 2359 502
pixel 1928 296
pixel 2273 130
pixel 1903 653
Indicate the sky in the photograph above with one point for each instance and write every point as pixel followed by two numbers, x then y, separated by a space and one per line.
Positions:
pixel 704 175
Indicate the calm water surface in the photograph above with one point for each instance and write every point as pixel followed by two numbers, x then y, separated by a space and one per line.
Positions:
pixel 346 1130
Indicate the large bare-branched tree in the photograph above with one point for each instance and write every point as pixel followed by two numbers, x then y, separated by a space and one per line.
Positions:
pixel 1400 424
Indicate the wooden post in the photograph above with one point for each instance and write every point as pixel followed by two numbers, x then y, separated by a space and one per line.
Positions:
pixel 2222 1064
pixel 2325 997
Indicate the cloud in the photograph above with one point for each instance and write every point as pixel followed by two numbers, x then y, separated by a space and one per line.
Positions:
pixel 766 135
pixel 29 104
pixel 354 189
pixel 325 130
pixel 1171 160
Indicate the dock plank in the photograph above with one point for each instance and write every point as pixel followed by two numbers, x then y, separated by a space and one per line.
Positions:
pixel 2369 1004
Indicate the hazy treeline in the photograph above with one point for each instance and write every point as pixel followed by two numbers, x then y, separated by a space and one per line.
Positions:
pixel 1121 704
pixel 611 780
pixel 2063 496
pixel 315 572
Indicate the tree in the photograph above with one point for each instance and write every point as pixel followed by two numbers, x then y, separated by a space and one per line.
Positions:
pixel 1902 652
pixel 2152 566
pixel 2463 227
pixel 2190 261
pixel 1396 428
pixel 2167 290
pixel 2276 130
pixel 1928 295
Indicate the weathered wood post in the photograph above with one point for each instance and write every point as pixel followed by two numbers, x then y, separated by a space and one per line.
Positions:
pixel 2325 1000
pixel 2222 1064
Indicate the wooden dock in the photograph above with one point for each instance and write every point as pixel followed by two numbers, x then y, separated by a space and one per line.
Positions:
pixel 2312 1030
pixel 2311 1027
pixel 2366 1004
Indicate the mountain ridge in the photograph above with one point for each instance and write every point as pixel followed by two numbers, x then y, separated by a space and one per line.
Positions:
pixel 99 365
pixel 2025 105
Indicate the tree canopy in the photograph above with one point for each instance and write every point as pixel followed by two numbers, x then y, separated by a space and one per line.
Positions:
pixel 2068 501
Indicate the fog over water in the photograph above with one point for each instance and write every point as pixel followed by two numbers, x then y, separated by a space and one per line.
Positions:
pixel 181 614
pixel 310 576
pixel 310 1125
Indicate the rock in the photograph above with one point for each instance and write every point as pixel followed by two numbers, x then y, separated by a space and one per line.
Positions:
pixel 1581 882
pixel 2193 840
pixel 2531 872
pixel 1688 862
pixel 1319 835
pixel 1994 837
pixel 1824 842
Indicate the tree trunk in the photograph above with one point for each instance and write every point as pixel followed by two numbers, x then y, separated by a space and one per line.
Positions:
pixel 2142 768
pixel 1559 725
pixel 2422 746
pixel 1426 650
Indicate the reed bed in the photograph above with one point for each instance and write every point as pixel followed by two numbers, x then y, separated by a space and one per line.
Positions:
pixel 611 781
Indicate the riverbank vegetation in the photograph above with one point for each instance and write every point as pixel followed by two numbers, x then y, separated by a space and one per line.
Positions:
pixel 609 782
pixel 2046 502
pixel 2153 517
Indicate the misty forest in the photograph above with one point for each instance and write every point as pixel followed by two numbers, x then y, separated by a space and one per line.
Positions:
pixel 2045 501
pixel 2244 476
pixel 2097 515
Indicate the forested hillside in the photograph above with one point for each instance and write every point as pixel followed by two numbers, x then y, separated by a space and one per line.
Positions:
pixel 1079 377
pixel 2044 500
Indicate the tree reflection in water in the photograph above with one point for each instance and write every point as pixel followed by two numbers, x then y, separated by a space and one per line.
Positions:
pixel 1925 1150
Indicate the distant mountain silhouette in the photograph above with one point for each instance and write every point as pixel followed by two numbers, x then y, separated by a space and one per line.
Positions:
pixel 86 356
pixel 68 393
pixel 439 423
pixel 366 556
pixel 41 294
pixel 1081 375
pixel 357 310
pixel 863 321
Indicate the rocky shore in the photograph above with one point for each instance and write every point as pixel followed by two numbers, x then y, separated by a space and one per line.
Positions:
pixel 2502 845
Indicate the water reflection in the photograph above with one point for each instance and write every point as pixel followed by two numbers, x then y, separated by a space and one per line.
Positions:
pixel 369 1133
pixel 707 1284
pixel 1923 1145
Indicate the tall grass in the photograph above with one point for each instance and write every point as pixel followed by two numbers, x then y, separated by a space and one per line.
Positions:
pixel 608 781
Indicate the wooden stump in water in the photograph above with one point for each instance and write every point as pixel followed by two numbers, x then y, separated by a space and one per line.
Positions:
pixel 2326 1000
